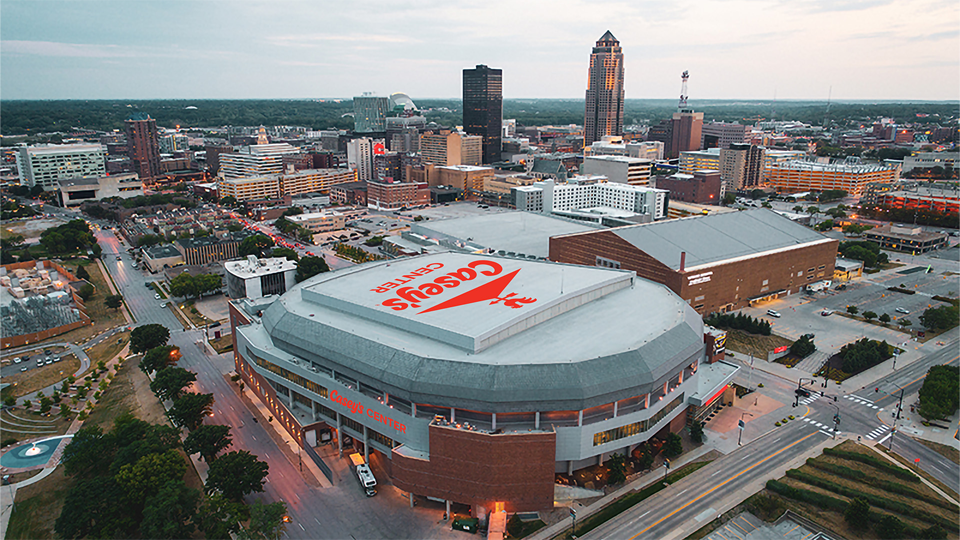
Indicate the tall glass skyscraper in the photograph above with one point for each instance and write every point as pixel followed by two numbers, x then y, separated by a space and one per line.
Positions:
pixel 604 109
pixel 483 108
pixel 370 113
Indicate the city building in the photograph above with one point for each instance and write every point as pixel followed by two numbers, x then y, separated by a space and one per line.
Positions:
pixel 387 167
pixel 717 262
pixel 702 187
pixel 483 108
pixel 622 169
pixel 772 157
pixel 319 222
pixel 173 143
pixel 143 146
pixel 161 256
pixel 360 156
pixel 463 177
pixel 929 160
pixel 846 269
pixel 255 160
pixel 349 193
pixel 446 147
pixel 604 98
pixel 403 133
pixel 849 176
pixel 699 159
pixel 931 197
pixel 212 153
pixel 591 195
pixel 249 189
pixel 314 180
pixel 46 166
pixel 680 209
pixel 721 134
pixel 207 249
pixel 741 166
pixel 680 133
pixel 910 239
pixel 256 278
pixel 616 145
pixel 464 399
pixel 370 113
pixel 76 191
pixel 397 195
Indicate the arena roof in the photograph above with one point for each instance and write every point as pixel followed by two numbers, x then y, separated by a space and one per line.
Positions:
pixel 717 237
pixel 506 331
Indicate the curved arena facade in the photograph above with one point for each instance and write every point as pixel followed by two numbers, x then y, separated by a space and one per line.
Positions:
pixel 474 379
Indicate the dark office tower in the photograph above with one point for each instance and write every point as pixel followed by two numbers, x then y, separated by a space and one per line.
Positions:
pixel 143 146
pixel 483 108
pixel 604 111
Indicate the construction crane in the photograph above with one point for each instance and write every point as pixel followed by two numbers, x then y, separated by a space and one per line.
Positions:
pixel 683 90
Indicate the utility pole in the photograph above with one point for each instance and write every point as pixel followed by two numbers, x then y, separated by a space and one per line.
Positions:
pixel 741 425
pixel 836 421
pixel 573 514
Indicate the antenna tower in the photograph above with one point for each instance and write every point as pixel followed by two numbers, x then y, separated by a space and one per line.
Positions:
pixel 683 90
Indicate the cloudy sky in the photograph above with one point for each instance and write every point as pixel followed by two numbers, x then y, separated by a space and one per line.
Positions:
pixel 734 49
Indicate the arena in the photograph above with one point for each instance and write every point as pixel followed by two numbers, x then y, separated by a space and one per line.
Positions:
pixel 475 379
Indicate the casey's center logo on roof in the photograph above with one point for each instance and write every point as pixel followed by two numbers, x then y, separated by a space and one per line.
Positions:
pixel 493 290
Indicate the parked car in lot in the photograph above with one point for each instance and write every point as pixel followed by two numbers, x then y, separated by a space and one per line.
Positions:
pixel 17 360
pixel 901 310
pixel 157 296
pixel 772 313
pixel 163 305
pixel 826 312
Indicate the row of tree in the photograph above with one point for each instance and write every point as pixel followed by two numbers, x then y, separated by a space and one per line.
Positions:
pixel 188 286
pixel 739 321
pixel 863 354
pixel 69 238
pixel 940 393
pixel 863 250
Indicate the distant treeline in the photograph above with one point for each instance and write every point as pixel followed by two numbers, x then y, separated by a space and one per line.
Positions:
pixel 33 117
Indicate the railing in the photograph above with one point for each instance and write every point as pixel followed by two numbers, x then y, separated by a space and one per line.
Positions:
pixel 319 461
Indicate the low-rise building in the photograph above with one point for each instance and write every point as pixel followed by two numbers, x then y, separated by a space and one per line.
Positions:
pixel 318 222
pixel 847 269
pixel 849 176
pixel 620 169
pixel 255 278
pixel 701 187
pixel 588 193
pixel 349 193
pixel 207 249
pixel 466 177
pixel 76 191
pixel 905 238
pixel 158 257
pixel 397 195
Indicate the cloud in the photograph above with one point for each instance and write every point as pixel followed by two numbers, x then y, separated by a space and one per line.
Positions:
pixel 313 40
pixel 53 48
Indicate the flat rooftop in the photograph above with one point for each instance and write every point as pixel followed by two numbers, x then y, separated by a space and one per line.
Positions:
pixel 252 266
pixel 514 232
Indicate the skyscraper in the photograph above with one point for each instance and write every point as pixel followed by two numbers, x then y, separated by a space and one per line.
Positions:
pixel 143 146
pixel 370 113
pixel 604 110
pixel 483 108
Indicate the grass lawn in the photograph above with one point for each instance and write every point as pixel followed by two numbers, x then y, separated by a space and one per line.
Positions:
pixel 37 507
pixel 37 378
pixel 197 318
pixel 754 344
pixel 222 345
pixel 107 349
pixel 23 425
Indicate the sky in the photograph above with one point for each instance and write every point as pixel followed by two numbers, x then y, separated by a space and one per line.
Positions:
pixel 889 50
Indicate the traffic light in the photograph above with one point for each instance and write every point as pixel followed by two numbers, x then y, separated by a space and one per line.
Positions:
pixel 877 389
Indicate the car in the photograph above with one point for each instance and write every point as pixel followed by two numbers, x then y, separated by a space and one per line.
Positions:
pixel 163 304
pixel 157 296
pixel 802 392
pixel 148 285
pixel 118 258
pixel 774 314
pixel 904 311
pixel 56 358
pixel 24 368
pixel 49 361
pixel 17 360
pixel 826 312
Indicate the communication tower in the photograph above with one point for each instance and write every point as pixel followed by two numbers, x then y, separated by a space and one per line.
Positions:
pixel 683 90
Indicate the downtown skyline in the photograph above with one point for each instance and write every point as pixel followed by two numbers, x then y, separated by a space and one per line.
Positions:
pixel 740 49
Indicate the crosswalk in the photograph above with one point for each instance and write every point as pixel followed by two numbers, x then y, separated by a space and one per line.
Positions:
pixel 809 400
pixel 862 401
pixel 878 432
pixel 824 428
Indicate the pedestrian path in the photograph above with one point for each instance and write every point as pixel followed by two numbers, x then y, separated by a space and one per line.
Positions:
pixel 878 432
pixel 824 428
pixel 811 399
pixel 813 363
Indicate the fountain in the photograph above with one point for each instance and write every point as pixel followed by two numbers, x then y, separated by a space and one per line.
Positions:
pixel 33 450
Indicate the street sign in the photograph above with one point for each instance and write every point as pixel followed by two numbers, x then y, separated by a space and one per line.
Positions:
pixel 573 512
pixel 740 424
pixel 916 460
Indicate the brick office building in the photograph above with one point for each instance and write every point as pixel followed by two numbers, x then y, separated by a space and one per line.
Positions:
pixel 461 399
pixel 717 263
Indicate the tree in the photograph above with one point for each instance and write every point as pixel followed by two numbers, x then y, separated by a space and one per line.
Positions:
pixel 696 432
pixel 890 527
pixel 803 347
pixel 617 465
pixel 208 440
pixel 290 254
pixel 171 512
pixel 158 358
pixel 150 472
pixel 236 474
pixel 234 227
pixel 82 272
pixel 933 532
pixel 45 405
pixel 114 301
pixel 266 522
pixel 825 225
pixel 857 514
pixel 254 245
pixel 208 283
pixel 97 508
pixel 884 318
pixel 149 240
pixel 64 410
pixel 218 517
pixel 729 198
pixel 170 382
pixel 147 336
pixel 89 453
pixel 189 410
pixel 853 310
pixel 310 266
pixel 941 317
pixel 9 401
pixel 798 208
pixel 906 322
pixel 813 210
pixel 940 391
pixel 229 200
pixel 869 315
pixel 673 446
pixel 86 291
pixel 184 285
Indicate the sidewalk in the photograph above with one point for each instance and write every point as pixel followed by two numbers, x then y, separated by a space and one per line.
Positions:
pixel 584 512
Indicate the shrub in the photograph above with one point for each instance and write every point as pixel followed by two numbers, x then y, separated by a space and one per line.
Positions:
pixel 7 442
pixel 804 495
pixel 857 514
pixel 739 321
pixel 875 462
pixel 890 527
pixel 853 310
